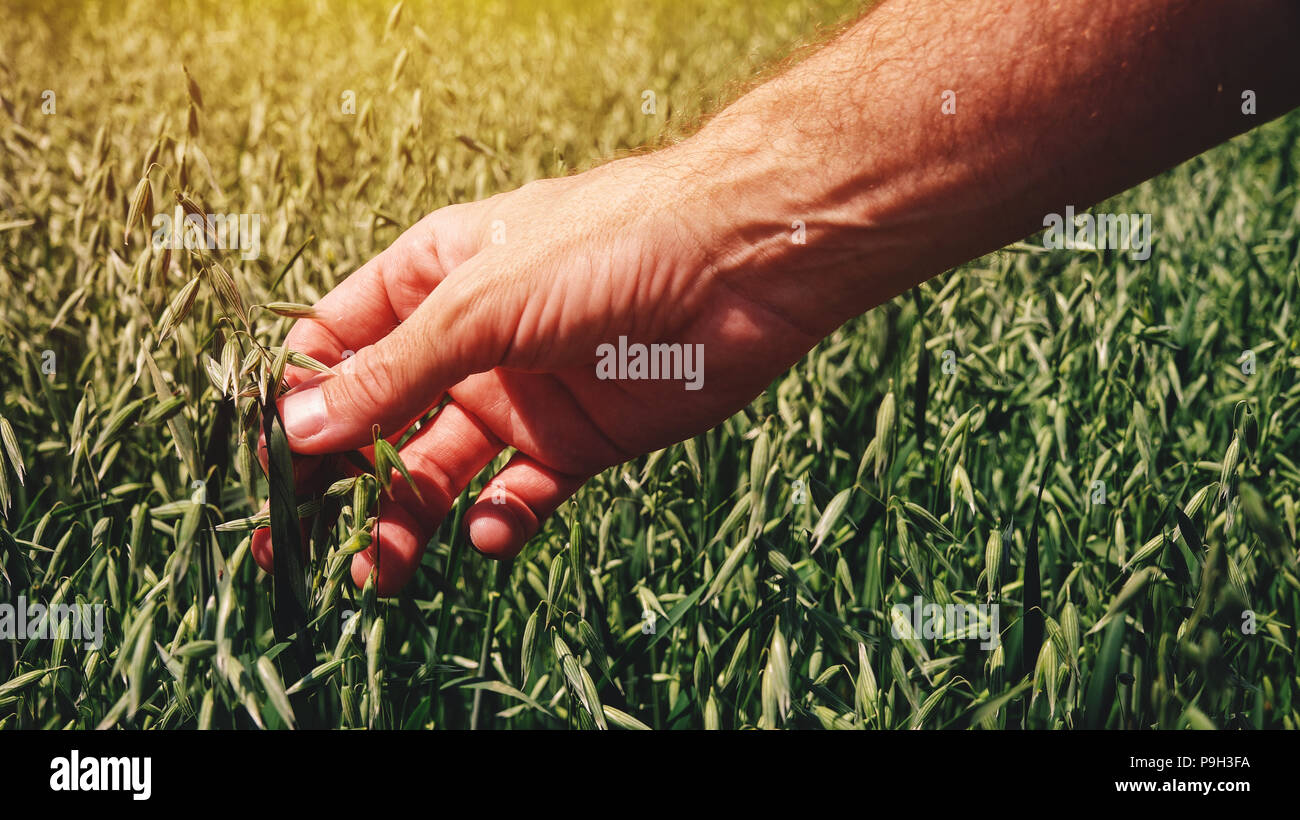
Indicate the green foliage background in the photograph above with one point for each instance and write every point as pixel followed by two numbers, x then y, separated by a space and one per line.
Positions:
pixel 1070 368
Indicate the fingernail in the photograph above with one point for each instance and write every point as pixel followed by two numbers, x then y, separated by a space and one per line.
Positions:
pixel 304 413
pixel 494 535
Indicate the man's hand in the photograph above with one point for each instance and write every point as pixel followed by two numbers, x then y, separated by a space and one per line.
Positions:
pixel 503 304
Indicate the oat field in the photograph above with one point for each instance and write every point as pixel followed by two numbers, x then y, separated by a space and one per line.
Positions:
pixel 1100 451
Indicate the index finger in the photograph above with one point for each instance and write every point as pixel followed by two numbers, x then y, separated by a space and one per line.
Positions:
pixel 368 304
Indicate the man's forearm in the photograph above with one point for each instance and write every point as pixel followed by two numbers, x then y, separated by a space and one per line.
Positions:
pixel 1053 104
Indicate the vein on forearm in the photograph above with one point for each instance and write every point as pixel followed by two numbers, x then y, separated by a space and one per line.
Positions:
pixel 1057 104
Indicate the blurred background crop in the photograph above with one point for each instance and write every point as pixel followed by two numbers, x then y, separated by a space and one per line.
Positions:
pixel 1108 455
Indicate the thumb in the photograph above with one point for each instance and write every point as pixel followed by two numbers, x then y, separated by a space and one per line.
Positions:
pixel 462 327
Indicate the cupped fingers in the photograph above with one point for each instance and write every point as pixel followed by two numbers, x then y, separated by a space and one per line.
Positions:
pixel 442 458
